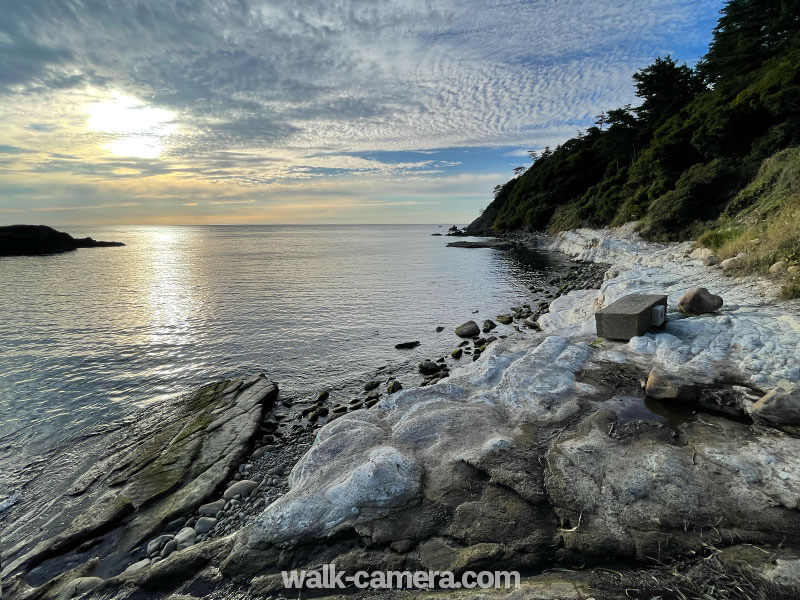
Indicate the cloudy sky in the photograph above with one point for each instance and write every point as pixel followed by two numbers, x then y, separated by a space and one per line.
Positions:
pixel 323 111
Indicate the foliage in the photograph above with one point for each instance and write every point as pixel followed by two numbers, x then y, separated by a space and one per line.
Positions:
pixel 680 160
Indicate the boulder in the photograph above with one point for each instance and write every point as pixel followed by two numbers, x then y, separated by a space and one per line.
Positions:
pixel 406 345
pixel 457 353
pixel 185 538
pixel 504 319
pixel 371 385
pixel 241 488
pixel 779 268
pixel 212 508
pixel 157 544
pixel 781 406
pixel 428 367
pixel 78 586
pixel 393 386
pixel 666 386
pixel 205 524
pixel 468 329
pixel 532 323
pixel 698 301
pixel 488 325
pixel 136 567
pixel 729 265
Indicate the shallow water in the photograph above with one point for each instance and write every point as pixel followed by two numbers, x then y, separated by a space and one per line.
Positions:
pixel 87 336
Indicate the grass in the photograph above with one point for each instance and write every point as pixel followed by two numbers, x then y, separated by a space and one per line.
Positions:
pixel 765 226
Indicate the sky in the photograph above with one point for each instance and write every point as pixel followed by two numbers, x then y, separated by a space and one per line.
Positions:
pixel 306 111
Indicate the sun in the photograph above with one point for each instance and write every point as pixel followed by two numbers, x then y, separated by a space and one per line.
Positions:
pixel 137 129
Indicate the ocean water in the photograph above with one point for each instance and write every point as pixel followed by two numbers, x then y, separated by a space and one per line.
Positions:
pixel 88 336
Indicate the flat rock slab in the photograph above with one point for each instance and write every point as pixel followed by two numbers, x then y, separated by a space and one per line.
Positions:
pixel 629 316
pixel 164 463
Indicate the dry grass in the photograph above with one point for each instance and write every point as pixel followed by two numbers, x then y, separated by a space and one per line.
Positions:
pixel 767 229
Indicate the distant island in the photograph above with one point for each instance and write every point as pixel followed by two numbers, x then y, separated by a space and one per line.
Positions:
pixel 29 240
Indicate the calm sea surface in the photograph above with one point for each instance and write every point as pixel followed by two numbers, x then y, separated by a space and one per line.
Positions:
pixel 87 336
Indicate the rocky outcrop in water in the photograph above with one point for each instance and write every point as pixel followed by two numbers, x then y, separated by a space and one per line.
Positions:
pixel 21 240
pixel 164 464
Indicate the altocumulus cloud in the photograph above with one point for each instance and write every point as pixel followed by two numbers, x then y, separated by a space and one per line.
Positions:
pixel 215 106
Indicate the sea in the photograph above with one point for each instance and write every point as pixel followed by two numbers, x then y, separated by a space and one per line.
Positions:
pixel 90 336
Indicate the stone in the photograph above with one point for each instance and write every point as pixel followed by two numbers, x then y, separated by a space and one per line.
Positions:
pixel 157 544
pixel 729 265
pixel 373 395
pixel 136 567
pixel 205 524
pixel 705 255
pixel 78 586
pixel 665 386
pixel 793 270
pixel 371 385
pixel 468 329
pixel 457 353
pixel 532 323
pixel 393 386
pixel 488 325
pixel 504 319
pixel 242 488
pixel 428 367
pixel 406 345
pixel 779 268
pixel 698 301
pixel 628 317
pixel 323 396
pixel 439 329
pixel 780 406
pixel 185 537
pixel 402 546
pixel 169 548
pixel 212 508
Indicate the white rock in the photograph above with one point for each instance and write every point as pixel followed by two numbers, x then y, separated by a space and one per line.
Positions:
pixel 779 268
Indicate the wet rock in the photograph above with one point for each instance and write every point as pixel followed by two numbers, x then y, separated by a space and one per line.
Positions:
pixel 169 548
pixel 205 524
pixel 428 367
pixel 406 345
pixel 393 386
pixel 373 395
pixel 504 319
pixel 468 329
pixel 698 301
pixel 439 329
pixel 241 488
pixel 488 325
pixel 323 396
pixel 371 385
pixel 780 407
pixel 666 386
pixel 457 353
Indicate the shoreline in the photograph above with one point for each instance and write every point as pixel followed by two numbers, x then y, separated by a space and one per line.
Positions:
pixel 544 382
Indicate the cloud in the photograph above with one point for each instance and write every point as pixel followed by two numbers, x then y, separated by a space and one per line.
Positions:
pixel 254 93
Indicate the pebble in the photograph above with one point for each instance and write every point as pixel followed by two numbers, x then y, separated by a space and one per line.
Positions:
pixel 243 488
pixel 205 524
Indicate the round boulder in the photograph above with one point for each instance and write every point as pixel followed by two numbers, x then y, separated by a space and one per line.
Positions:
pixel 428 367
pixel 468 330
pixel 242 488
pixel 698 301
pixel 393 386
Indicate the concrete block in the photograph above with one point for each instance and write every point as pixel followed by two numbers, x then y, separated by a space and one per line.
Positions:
pixel 629 316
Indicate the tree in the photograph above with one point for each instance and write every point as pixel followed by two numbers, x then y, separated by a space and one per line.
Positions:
pixel 519 171
pixel 748 33
pixel 664 87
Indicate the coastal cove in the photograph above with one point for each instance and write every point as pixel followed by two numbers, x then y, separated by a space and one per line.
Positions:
pixel 543 453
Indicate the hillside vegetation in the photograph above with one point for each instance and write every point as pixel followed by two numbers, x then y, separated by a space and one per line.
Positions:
pixel 710 149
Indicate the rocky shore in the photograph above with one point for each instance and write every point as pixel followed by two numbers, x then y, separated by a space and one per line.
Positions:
pixel 548 451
